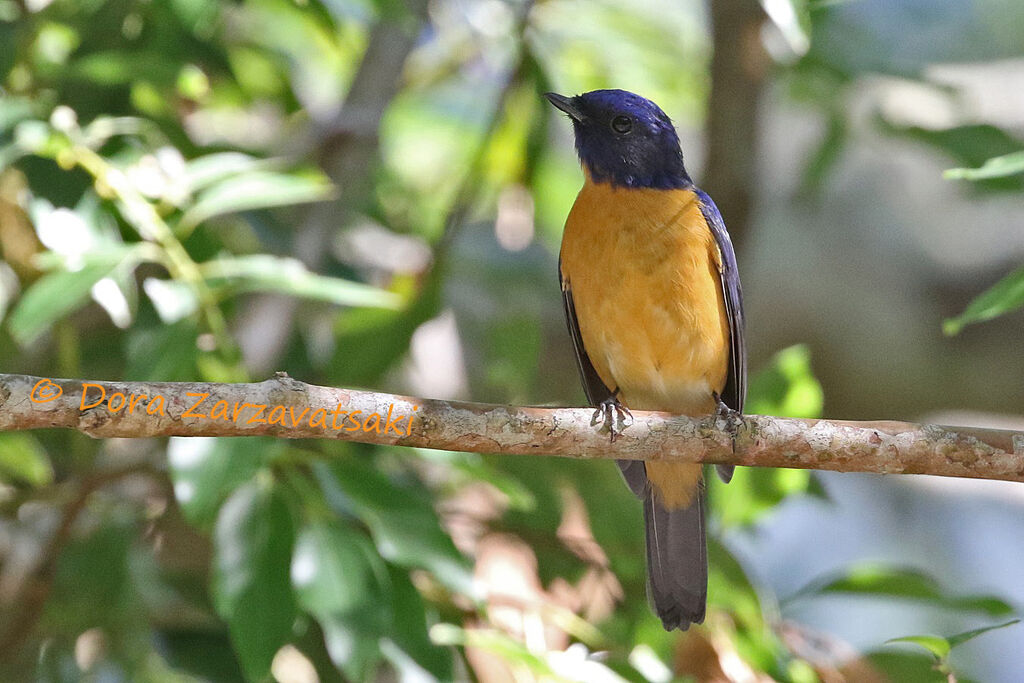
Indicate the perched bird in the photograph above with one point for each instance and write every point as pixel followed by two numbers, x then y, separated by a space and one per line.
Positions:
pixel 653 303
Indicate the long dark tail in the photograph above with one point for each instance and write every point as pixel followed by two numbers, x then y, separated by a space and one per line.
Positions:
pixel 677 561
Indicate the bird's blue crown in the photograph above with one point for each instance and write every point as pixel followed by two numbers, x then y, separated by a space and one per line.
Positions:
pixel 625 139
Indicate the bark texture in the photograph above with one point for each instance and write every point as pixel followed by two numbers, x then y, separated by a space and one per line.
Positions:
pixel 287 408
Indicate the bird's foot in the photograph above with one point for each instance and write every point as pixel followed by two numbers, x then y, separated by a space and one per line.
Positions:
pixel 733 419
pixel 607 412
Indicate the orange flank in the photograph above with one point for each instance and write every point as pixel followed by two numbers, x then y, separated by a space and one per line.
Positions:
pixel 644 271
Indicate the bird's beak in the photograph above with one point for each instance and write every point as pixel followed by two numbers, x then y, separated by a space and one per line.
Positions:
pixel 566 104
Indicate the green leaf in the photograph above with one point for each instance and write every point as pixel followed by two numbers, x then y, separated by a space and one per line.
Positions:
pixel 331 569
pixel 787 387
pixel 730 589
pixel 173 300
pixel 495 642
pixel 997 167
pixel 166 353
pixel 202 653
pixel 793 21
pixel 205 470
pixel 93 585
pixel 118 67
pixel 962 638
pixel 23 459
pixel 906 666
pixel 353 642
pixel 970 146
pixel 408 646
pixel 908 584
pixel 265 273
pixel 257 190
pixel 754 492
pixel 402 521
pixel 204 171
pixel 51 297
pixel 252 590
pixel 820 164
pixel 937 645
pixel 1004 296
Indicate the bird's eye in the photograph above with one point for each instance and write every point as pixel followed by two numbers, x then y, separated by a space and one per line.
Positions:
pixel 622 124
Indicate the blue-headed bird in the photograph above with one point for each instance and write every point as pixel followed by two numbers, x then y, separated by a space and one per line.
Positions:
pixel 653 303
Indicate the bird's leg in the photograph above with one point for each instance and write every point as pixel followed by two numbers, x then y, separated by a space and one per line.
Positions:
pixel 733 419
pixel 608 410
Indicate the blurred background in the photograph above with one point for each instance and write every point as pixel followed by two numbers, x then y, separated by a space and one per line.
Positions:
pixel 371 193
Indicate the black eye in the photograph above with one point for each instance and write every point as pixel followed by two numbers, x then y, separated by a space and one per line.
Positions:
pixel 622 124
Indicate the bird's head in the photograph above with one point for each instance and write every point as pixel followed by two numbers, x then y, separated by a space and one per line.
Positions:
pixel 624 139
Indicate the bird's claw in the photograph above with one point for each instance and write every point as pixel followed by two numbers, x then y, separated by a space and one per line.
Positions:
pixel 607 412
pixel 733 419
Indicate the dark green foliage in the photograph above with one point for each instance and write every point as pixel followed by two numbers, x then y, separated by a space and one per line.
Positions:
pixel 163 167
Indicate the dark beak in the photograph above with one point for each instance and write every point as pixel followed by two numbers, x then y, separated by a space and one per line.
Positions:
pixel 566 104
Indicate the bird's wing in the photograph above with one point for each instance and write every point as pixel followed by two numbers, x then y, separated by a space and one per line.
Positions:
pixel 735 392
pixel 595 389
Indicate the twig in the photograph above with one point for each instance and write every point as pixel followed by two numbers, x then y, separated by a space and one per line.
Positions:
pixel 284 407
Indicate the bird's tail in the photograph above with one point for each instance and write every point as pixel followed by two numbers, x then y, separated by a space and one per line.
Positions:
pixel 677 561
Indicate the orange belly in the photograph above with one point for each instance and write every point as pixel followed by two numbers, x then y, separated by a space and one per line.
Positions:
pixel 643 268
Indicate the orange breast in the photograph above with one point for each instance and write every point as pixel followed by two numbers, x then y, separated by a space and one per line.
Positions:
pixel 643 268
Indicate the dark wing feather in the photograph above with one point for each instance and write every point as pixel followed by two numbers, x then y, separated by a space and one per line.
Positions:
pixel 593 387
pixel 735 392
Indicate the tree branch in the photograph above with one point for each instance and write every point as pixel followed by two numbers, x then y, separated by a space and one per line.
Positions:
pixel 284 407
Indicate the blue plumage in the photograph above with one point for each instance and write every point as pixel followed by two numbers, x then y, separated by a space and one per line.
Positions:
pixel 625 139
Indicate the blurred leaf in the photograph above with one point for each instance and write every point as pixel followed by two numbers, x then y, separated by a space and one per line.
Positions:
pixel 166 353
pixel 497 643
pixel 1004 296
pixel 961 638
pixel 731 589
pixel 371 341
pixel 204 171
pixel 970 146
pixel 909 584
pixel 202 653
pixel 792 17
pixel 906 666
pixel 409 636
pixel 265 273
pixel 824 158
pixel 252 590
pixel 937 645
pixel 787 387
pixel 205 470
pixel 14 110
pixel 172 299
pixel 55 295
pixel 93 585
pixel 940 647
pixel 476 467
pixel 331 569
pixel 997 167
pixel 23 459
pixel 513 347
pixel 402 521
pixel 120 67
pixel 352 641
pixel 753 492
pixel 256 190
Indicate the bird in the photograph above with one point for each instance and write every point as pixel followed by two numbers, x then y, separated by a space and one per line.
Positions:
pixel 651 292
